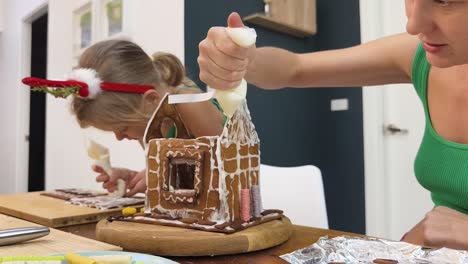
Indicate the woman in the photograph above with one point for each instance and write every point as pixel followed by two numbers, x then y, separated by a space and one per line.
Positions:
pixel 433 55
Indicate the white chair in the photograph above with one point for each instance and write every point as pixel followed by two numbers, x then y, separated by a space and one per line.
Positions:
pixel 298 191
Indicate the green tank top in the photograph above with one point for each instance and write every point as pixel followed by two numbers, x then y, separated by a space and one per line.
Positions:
pixel 441 166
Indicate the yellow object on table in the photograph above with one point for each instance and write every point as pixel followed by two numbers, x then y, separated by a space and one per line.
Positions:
pixel 73 258
pixel 129 211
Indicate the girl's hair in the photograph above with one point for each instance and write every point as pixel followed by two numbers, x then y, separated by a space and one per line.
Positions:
pixel 122 61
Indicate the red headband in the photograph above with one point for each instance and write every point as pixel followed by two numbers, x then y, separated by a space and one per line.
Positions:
pixel 82 88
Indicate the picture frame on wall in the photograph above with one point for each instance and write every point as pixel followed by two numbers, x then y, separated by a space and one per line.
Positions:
pixel 82 28
pixel 112 18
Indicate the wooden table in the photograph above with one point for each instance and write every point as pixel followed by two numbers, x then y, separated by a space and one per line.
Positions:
pixel 55 242
pixel 49 211
pixel 73 219
pixel 302 236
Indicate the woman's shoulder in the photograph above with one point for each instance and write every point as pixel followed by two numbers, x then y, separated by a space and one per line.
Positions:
pixel 403 50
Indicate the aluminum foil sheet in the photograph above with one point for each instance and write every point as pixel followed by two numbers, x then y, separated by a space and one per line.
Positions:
pixel 369 250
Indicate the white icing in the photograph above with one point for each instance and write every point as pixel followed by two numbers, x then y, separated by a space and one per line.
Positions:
pixel 106 202
pixel 239 131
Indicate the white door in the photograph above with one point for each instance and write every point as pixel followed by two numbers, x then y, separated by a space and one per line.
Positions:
pixel 394 199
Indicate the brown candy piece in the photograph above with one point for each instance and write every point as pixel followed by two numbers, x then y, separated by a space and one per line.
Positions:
pixel 206 222
pixel 188 220
pixel 222 226
pixel 271 211
pixel 385 261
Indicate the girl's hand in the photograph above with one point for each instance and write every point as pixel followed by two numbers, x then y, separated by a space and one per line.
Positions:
pixel 441 227
pixel 135 181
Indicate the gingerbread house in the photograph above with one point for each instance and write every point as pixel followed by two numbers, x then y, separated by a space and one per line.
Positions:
pixel 208 183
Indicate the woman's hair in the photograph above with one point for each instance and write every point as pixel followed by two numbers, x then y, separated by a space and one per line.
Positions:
pixel 122 61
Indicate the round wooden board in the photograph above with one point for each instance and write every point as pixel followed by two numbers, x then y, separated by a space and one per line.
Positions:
pixel 176 241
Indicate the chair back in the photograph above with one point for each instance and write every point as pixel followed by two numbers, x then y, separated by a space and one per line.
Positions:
pixel 298 191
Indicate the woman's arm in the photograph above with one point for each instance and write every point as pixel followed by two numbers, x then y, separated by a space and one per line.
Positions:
pixel 384 61
pixel 223 64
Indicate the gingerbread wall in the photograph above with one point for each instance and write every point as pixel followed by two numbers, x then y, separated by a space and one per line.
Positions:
pixel 241 168
pixel 237 165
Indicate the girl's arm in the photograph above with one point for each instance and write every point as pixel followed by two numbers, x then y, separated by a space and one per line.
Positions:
pixel 203 118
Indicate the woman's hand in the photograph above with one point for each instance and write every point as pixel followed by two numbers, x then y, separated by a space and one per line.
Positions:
pixel 441 227
pixel 135 181
pixel 223 63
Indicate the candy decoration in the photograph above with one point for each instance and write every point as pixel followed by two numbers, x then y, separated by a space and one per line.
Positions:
pixel 73 258
pixel 245 205
pixel 127 211
pixel 256 201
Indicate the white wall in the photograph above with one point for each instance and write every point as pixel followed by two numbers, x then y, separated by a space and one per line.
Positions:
pixel 148 25
pixel 156 25
pixel 2 16
pixel 12 143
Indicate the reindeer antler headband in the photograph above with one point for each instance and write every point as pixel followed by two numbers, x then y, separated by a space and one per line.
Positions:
pixel 83 82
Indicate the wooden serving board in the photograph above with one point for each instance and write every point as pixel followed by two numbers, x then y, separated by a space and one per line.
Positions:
pixel 49 211
pixel 176 241
pixel 55 242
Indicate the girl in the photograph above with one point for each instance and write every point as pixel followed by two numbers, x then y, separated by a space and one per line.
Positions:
pixel 130 86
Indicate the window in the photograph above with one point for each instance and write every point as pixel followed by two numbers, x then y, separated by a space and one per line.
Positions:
pixel 181 174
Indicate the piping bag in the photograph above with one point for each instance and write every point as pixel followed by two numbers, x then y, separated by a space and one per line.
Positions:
pixel 228 99
pixel 101 156
pixel 231 99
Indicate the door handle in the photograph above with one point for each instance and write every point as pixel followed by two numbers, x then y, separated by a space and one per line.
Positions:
pixel 393 130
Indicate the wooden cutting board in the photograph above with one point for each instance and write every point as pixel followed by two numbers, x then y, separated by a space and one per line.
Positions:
pixel 55 242
pixel 177 241
pixel 49 211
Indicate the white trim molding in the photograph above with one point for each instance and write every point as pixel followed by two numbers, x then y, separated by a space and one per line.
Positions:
pixel 372 26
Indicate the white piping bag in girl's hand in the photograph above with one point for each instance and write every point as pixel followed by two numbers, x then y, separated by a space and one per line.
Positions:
pixel 101 155
pixel 230 99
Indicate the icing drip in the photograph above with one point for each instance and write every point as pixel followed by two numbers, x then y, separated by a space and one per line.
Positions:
pixel 240 131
